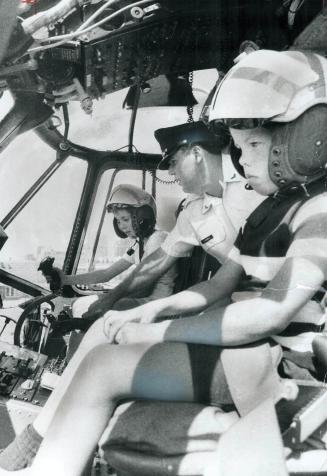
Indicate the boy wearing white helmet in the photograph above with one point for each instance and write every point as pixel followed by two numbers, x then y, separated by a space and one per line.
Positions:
pixel 134 216
pixel 283 246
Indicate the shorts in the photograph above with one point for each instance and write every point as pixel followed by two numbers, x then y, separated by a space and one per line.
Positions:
pixel 209 378
pixel 209 381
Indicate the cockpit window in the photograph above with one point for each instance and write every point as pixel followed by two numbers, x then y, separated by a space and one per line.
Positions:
pixel 22 163
pixel 44 226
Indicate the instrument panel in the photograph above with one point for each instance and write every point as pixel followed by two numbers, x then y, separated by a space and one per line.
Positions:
pixel 21 372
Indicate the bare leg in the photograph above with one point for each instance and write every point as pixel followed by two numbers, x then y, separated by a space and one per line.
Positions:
pixel 108 374
pixel 78 310
pixel 82 304
pixel 92 338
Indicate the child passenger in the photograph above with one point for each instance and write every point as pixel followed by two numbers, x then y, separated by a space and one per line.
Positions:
pixel 276 107
pixel 134 217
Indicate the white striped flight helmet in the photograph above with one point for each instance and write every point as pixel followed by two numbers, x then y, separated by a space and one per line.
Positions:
pixel 287 88
pixel 141 205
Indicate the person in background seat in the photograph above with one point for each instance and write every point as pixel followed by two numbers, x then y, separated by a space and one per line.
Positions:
pixel 135 213
pixel 134 217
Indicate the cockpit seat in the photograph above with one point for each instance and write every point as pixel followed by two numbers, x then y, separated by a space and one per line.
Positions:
pixel 163 438
pixel 172 438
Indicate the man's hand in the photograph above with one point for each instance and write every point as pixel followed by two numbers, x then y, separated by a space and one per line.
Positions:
pixel 133 333
pixel 99 307
pixel 115 320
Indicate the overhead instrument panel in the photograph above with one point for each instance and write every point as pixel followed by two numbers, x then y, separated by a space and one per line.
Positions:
pixel 165 43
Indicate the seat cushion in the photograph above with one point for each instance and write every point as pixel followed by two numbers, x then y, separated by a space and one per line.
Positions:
pixel 161 438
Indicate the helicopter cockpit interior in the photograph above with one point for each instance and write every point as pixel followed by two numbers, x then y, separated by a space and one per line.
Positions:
pixel 83 85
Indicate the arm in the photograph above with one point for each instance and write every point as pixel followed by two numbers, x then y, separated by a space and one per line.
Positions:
pixel 249 321
pixel 192 300
pixel 164 285
pixel 197 297
pixel 178 243
pixel 98 276
pixel 145 274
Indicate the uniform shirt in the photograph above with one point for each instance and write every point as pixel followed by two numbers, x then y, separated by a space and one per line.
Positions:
pixel 275 232
pixel 212 222
pixel 165 284
pixel 202 222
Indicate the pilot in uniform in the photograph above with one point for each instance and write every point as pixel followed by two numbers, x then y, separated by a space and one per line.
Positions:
pixel 209 221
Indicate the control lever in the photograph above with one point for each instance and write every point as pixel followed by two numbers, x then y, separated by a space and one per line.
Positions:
pixel 51 275
pixel 65 326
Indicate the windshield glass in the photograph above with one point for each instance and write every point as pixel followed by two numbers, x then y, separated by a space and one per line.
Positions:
pixel 44 226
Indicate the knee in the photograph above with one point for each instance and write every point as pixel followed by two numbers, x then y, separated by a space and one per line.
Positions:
pixel 77 307
pixel 105 362
pixel 254 362
pixel 251 374
pixel 82 304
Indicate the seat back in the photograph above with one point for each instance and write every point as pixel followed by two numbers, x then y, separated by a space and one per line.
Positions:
pixel 200 266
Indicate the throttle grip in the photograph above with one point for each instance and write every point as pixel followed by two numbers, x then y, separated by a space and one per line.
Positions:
pixel 51 275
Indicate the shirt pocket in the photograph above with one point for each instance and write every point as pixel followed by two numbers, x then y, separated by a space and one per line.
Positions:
pixel 211 232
